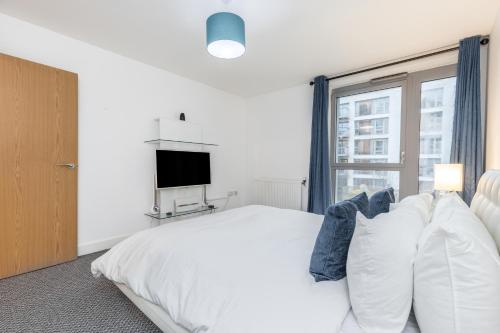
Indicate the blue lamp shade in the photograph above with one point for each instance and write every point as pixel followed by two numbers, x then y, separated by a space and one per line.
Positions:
pixel 225 35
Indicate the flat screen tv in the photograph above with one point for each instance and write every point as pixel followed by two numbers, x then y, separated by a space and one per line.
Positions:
pixel 182 168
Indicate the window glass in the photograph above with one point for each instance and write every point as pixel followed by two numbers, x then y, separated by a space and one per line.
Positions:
pixel 371 106
pixel 368 127
pixel 436 126
pixel 432 97
pixel 432 121
pixel 370 152
pixel 351 182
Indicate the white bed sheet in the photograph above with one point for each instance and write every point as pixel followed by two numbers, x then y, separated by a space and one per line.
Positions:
pixel 350 325
pixel 167 325
pixel 243 270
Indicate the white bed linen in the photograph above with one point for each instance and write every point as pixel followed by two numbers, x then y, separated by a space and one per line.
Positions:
pixel 243 270
pixel 350 325
pixel 166 324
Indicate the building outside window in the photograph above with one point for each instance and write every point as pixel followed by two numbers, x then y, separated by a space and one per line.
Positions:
pixel 343 128
pixel 436 126
pixel 372 106
pixel 427 167
pixel 371 160
pixel 344 111
pixel 362 147
pixel 432 98
pixel 371 184
pixel 343 147
pixel 371 147
pixel 363 127
pixel 432 121
pixel 380 147
pixel 430 145
pixel 371 126
pixel 381 125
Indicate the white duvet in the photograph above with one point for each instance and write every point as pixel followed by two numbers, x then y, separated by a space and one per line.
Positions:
pixel 243 270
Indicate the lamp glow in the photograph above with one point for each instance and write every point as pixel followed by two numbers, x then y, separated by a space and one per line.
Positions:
pixel 225 35
pixel 448 177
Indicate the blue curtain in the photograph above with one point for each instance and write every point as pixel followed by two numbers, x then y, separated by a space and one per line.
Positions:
pixel 319 197
pixel 467 147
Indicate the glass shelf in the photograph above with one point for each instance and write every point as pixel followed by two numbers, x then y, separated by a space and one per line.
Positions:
pixel 169 215
pixel 158 141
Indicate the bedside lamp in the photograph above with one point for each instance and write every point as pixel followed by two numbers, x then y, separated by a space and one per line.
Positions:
pixel 448 177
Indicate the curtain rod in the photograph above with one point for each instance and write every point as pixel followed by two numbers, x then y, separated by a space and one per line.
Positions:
pixel 484 41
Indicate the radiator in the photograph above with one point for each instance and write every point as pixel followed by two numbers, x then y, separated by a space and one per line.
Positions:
pixel 281 193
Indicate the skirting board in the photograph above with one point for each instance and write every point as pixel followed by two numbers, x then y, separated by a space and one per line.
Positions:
pixel 100 245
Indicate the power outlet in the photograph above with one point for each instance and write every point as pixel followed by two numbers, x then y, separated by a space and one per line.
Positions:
pixel 232 193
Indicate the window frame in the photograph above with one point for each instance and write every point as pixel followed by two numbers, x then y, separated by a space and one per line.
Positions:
pixel 408 166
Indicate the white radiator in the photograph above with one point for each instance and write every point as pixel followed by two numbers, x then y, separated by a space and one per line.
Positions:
pixel 281 193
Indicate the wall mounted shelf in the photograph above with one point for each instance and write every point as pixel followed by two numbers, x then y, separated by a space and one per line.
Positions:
pixel 162 216
pixel 159 141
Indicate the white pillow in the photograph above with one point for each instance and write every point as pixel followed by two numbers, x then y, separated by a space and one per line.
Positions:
pixel 457 273
pixel 422 201
pixel 380 267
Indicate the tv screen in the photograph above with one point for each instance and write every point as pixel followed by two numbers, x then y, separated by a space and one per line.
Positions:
pixel 182 168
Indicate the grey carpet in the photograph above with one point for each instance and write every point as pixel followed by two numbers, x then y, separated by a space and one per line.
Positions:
pixel 67 298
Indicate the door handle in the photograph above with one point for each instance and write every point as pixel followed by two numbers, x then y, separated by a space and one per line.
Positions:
pixel 67 165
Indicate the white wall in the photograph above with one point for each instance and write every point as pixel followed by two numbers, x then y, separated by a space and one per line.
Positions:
pixel 279 124
pixel 279 135
pixel 493 115
pixel 118 100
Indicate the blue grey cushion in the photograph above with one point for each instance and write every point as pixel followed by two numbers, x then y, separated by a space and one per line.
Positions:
pixel 380 202
pixel 329 257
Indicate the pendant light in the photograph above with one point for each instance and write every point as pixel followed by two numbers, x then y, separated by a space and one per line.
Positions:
pixel 225 35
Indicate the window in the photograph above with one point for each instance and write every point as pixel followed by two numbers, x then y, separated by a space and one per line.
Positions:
pixel 436 126
pixel 363 108
pixel 363 127
pixel 380 147
pixel 370 160
pixel 343 128
pixel 426 186
pixel 352 182
pixel 431 121
pixel 371 126
pixel 367 130
pixel 370 141
pixel 432 97
pixel 381 125
pixel 343 147
pixel 370 147
pixel 362 147
pixel 430 145
pixel 374 122
pixel 370 182
pixel 426 168
pixel 372 106
pixel 344 111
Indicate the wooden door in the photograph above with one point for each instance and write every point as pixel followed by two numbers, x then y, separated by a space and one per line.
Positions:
pixel 38 197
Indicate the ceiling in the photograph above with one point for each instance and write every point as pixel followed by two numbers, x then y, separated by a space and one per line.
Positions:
pixel 288 41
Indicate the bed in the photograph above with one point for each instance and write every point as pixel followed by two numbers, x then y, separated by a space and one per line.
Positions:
pixel 244 270
pixel 246 266
pixel 161 318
